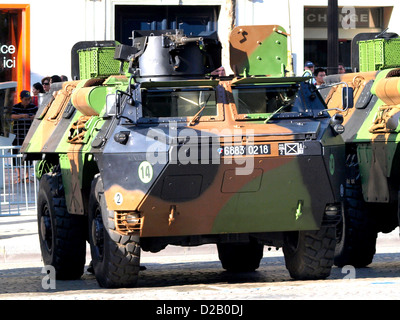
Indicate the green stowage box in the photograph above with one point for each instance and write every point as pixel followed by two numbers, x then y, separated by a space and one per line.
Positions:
pixel 98 62
pixel 378 54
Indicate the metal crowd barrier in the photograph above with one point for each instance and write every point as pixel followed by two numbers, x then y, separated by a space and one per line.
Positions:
pixel 16 195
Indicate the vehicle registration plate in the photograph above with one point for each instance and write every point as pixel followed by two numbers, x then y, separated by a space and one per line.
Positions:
pixel 245 150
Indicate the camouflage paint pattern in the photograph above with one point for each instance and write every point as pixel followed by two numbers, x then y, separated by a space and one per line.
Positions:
pixel 258 50
pixel 297 174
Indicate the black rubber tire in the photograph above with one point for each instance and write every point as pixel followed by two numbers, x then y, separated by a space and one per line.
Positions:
pixel 357 233
pixel 240 257
pixel 309 254
pixel 116 258
pixel 62 236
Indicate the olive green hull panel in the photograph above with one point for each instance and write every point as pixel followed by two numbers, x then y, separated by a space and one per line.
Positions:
pixel 284 202
pixel 377 163
pixel 279 195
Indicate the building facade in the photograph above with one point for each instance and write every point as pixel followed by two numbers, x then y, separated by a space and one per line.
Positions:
pixel 37 35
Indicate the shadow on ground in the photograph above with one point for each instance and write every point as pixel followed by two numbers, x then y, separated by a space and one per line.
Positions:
pixel 272 270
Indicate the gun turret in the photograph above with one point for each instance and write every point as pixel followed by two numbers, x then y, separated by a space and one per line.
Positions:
pixel 170 55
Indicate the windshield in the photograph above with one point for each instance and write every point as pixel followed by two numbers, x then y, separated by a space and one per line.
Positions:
pixel 178 103
pixel 266 100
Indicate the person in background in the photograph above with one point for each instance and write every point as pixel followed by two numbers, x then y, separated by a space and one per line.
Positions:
pixel 341 68
pixel 64 78
pixel 46 84
pixel 309 71
pixel 36 89
pixel 319 74
pixel 54 79
pixel 22 115
pixel 219 72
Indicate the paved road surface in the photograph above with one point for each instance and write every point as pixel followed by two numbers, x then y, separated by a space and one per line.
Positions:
pixel 192 274
pixel 200 276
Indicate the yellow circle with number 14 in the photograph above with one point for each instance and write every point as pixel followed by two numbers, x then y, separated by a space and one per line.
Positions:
pixel 145 172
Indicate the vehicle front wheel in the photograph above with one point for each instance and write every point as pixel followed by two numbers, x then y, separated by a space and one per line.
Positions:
pixel 356 234
pixel 115 258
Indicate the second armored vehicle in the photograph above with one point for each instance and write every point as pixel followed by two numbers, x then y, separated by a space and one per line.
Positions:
pixel 372 151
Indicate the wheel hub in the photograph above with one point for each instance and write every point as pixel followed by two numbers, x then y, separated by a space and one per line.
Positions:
pixel 98 233
pixel 46 232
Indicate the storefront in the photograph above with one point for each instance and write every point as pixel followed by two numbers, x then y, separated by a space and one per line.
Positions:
pixel 352 20
pixel 15 45
pixel 306 22
pixel 14 59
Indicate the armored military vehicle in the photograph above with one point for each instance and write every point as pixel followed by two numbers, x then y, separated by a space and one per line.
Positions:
pixel 371 137
pixel 167 153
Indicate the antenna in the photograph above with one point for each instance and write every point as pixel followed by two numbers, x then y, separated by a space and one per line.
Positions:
pixel 290 59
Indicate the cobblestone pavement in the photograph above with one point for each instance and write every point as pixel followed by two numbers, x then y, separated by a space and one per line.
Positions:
pixel 198 277
pixel 178 273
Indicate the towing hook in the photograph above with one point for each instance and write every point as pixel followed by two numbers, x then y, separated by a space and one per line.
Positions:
pixel 172 215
